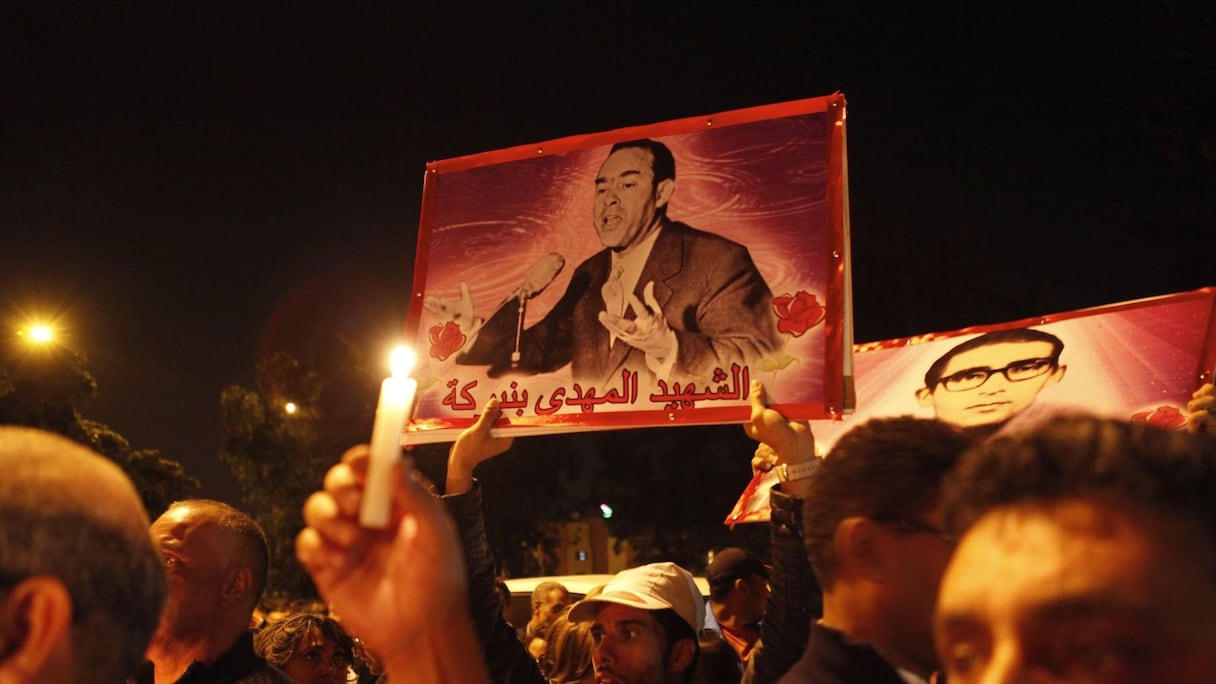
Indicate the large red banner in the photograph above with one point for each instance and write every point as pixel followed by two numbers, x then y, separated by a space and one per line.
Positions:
pixel 1138 360
pixel 590 286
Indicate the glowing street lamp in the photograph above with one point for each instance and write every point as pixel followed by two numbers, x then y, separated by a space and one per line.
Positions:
pixel 38 333
pixel 42 333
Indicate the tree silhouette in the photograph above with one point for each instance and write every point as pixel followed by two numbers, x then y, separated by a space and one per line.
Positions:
pixel 280 457
pixel 44 385
pixel 670 490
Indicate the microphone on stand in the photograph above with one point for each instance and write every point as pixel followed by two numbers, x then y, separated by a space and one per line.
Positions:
pixel 542 273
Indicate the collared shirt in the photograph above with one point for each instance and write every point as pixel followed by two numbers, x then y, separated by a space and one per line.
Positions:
pixel 630 266
pixel 626 270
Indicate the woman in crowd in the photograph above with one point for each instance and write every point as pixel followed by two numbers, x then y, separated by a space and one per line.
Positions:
pixel 311 648
pixel 567 655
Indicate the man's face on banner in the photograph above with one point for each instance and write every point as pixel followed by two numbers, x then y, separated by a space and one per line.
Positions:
pixel 627 202
pixel 991 384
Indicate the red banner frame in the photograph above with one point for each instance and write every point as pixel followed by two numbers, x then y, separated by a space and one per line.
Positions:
pixel 1135 360
pixel 456 203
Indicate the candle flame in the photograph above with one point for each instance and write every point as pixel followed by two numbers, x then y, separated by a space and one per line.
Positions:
pixel 402 361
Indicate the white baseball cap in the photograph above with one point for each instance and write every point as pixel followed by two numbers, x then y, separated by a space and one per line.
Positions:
pixel 650 587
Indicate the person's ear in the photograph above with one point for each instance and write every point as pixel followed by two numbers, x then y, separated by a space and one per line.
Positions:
pixel 924 397
pixel 238 581
pixel 34 621
pixel 663 191
pixel 682 653
pixel 858 547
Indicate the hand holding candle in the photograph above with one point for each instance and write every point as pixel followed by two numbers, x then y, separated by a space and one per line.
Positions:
pixel 394 409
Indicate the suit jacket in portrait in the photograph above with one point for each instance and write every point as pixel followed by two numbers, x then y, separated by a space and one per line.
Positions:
pixel 711 293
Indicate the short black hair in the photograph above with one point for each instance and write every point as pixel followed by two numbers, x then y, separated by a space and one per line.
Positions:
pixel 1076 456
pixel 676 628
pixel 664 165
pixel 883 467
pixel 934 375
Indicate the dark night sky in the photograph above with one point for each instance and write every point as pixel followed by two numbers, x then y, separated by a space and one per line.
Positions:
pixel 190 184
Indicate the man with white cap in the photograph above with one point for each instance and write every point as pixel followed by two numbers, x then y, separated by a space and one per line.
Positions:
pixel 646 618
pixel 645 625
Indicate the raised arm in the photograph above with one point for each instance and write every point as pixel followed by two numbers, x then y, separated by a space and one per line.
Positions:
pixel 400 589
pixel 506 658
pixel 795 599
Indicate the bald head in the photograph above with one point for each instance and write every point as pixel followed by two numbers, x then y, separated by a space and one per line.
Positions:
pixel 217 559
pixel 49 472
pixel 80 582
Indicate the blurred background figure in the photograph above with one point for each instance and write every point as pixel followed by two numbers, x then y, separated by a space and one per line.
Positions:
pixel 567 655
pixel 549 599
pixel 311 648
pixel 738 589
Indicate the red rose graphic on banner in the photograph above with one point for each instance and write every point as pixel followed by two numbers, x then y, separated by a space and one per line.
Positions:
pixel 1167 417
pixel 446 339
pixel 798 313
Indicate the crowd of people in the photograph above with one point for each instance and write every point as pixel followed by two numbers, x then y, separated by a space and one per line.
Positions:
pixel 1065 548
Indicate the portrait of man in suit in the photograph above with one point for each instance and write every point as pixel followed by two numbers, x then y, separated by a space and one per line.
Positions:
pixel 661 298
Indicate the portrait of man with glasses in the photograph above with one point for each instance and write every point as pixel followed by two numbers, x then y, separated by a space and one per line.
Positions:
pixel 989 379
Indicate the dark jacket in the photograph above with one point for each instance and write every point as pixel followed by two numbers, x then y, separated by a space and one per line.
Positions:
pixel 796 599
pixel 507 660
pixel 831 658
pixel 238 665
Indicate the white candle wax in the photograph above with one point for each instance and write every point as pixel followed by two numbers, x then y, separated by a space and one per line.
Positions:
pixel 396 399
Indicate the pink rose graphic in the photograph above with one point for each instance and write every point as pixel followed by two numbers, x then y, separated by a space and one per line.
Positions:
pixel 446 339
pixel 1167 417
pixel 797 314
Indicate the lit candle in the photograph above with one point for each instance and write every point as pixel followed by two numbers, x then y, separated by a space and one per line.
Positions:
pixel 396 401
